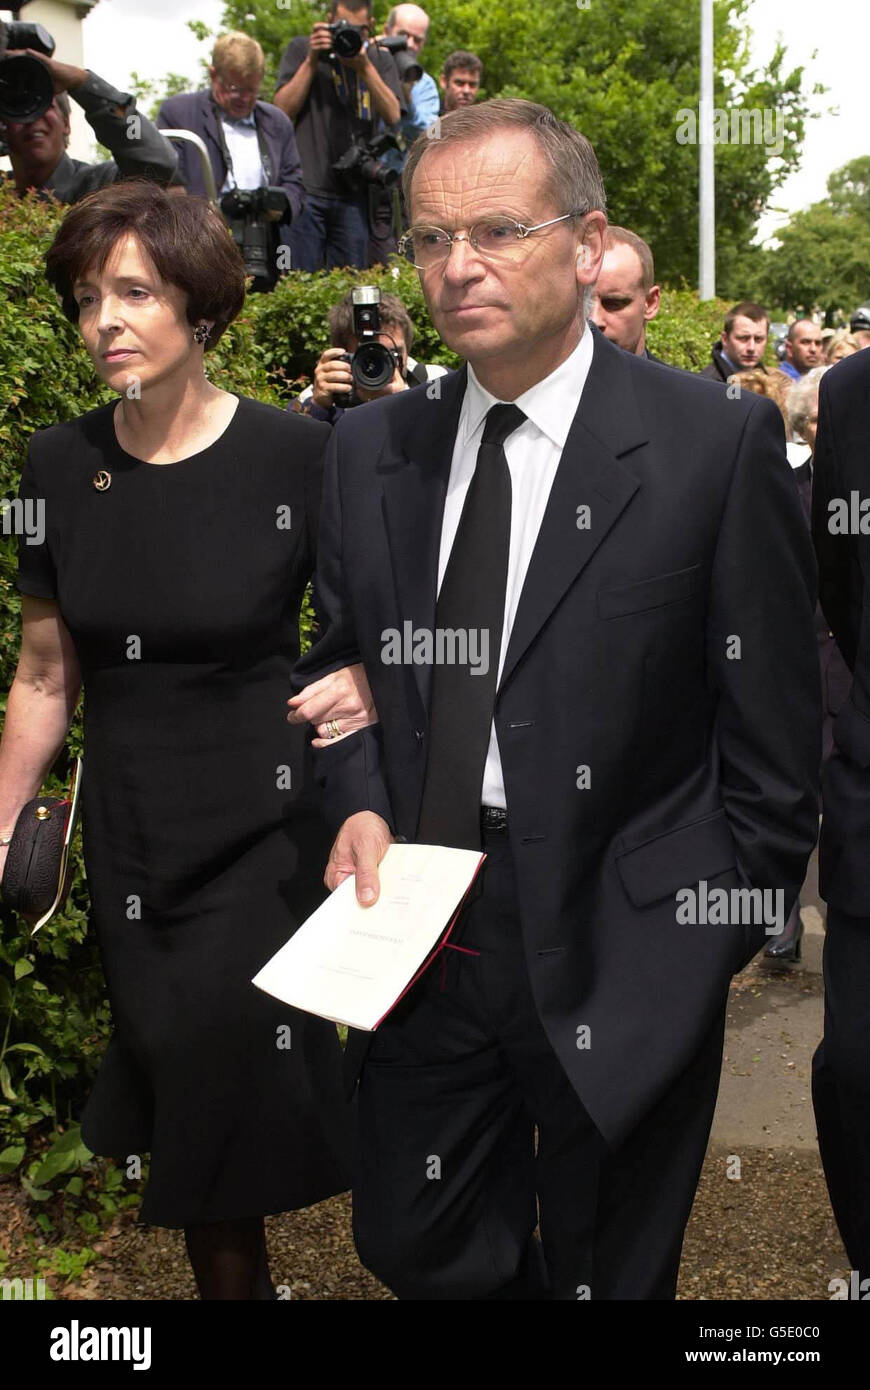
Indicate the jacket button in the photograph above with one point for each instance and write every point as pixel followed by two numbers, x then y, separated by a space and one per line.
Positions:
pixel 418 734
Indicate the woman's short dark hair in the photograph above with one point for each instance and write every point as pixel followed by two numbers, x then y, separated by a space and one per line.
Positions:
pixel 186 239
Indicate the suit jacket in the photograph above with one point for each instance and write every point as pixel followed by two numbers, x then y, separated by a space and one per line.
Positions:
pixel 194 111
pixel 844 570
pixel 703 766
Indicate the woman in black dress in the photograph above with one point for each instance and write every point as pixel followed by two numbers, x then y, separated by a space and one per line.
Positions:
pixel 180 527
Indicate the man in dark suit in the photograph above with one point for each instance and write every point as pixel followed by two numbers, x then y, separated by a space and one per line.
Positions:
pixel 841 1066
pixel 249 142
pixel 630 544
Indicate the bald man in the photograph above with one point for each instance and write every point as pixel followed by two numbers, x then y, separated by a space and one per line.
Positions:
pixel 421 98
pixel 804 349
pixel 625 298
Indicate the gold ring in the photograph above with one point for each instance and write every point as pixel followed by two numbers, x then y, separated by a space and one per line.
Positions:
pixel 333 731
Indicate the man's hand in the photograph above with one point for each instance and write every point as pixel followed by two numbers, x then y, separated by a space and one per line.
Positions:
pixel 331 376
pixel 63 75
pixel 319 44
pixel 359 847
pixel 343 695
pixel 360 63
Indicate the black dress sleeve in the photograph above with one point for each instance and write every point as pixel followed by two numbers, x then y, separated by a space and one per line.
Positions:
pixel 37 574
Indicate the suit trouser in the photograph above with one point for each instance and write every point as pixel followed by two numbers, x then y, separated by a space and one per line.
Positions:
pixel 457 1082
pixel 841 1081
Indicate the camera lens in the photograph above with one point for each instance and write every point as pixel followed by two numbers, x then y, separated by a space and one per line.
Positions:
pixel 26 89
pixel 347 43
pixel 373 366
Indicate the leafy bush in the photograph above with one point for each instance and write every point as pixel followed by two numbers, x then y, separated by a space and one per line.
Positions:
pixel 685 329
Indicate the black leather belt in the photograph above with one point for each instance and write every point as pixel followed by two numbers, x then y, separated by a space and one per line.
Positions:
pixel 493 820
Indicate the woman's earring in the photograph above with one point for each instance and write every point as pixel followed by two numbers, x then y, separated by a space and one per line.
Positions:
pixel 201 333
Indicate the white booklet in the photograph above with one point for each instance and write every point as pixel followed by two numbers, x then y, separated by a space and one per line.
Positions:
pixel 353 964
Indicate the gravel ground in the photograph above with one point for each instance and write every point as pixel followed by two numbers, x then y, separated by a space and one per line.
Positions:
pixel 768 1235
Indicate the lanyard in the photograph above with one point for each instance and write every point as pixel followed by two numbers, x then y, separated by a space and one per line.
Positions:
pixel 265 158
pixel 360 98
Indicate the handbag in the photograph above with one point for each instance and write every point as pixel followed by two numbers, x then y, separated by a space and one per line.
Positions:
pixel 37 873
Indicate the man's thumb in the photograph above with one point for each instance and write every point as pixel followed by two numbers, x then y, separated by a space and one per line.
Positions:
pixel 367 883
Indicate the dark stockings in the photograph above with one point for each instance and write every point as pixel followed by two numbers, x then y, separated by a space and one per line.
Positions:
pixel 229 1259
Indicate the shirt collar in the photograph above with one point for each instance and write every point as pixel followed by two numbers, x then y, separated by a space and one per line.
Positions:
pixel 238 120
pixel 550 404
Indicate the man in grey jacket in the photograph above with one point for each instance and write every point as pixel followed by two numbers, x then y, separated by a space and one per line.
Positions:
pixel 37 148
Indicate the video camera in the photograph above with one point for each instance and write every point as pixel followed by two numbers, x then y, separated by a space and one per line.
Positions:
pixel 249 212
pixel 373 364
pixel 26 88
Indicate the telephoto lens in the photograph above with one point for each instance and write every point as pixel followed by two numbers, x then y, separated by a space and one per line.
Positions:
pixel 26 89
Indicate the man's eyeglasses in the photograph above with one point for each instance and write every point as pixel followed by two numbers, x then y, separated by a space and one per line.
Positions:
pixel 233 91
pixel 493 237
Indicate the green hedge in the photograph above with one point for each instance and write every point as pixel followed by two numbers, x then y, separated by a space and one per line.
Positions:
pixel 54 1020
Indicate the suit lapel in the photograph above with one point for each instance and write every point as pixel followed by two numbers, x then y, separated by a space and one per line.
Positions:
pixel 212 140
pixel 414 471
pixel 607 424
pixel 415 468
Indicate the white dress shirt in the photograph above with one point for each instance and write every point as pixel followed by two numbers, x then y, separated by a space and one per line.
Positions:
pixel 244 148
pixel 533 452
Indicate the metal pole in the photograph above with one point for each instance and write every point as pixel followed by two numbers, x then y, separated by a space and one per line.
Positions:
pixel 707 193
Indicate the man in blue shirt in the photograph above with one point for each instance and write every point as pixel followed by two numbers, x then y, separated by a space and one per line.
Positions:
pixel 421 98
pixel 422 106
pixel 804 349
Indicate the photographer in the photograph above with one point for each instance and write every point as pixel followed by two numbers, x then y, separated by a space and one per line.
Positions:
pixel 37 144
pixel 408 26
pixel 252 149
pixel 411 23
pixel 352 325
pixel 335 86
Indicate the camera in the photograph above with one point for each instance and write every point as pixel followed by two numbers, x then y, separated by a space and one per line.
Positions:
pixel 249 212
pixel 409 69
pixel 361 164
pixel 26 89
pixel 373 364
pixel 347 40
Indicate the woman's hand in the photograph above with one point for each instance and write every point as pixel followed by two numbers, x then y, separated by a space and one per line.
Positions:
pixel 342 698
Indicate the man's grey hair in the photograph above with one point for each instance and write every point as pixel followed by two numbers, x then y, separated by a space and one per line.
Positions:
pixel 801 399
pixel 574 178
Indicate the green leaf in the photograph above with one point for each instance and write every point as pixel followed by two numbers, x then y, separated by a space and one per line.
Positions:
pixel 36 1194
pixel 23 967
pixel 11 1157
pixel 67 1153
pixel 6 1082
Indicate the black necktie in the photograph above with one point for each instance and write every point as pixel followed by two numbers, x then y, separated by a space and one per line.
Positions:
pixel 469 617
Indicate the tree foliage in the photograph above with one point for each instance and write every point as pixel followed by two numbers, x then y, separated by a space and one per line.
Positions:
pixel 822 259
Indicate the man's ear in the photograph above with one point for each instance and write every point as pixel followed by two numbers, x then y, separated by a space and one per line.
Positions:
pixel 653 300
pixel 442 82
pixel 590 252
